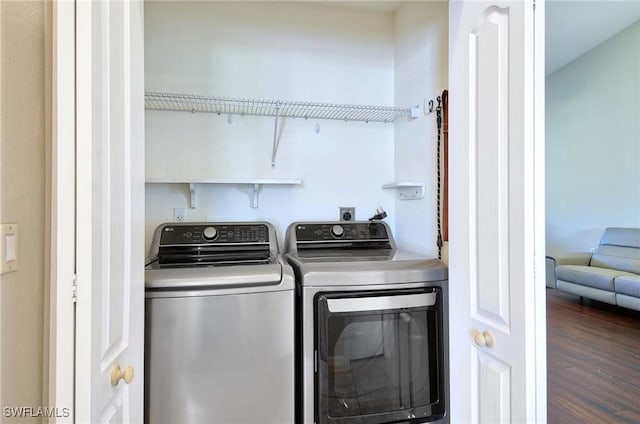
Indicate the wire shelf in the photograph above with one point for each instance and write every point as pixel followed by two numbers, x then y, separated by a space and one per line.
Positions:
pixel 277 108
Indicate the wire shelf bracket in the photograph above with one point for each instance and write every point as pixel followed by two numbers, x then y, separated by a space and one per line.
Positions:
pixel 276 140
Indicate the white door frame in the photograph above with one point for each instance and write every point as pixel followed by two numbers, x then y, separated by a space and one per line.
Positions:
pixel 62 316
pixel 62 276
pixel 109 357
pixel 527 331
pixel 60 383
pixel 540 291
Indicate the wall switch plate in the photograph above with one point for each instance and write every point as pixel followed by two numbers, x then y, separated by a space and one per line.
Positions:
pixel 178 214
pixel 9 244
pixel 347 214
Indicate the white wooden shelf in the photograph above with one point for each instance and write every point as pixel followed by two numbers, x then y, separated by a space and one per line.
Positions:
pixel 256 183
pixel 408 190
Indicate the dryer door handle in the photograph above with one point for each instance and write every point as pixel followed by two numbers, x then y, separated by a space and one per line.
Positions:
pixel 381 303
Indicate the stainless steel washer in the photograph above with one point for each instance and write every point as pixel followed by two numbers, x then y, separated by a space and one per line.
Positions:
pixel 372 332
pixel 219 332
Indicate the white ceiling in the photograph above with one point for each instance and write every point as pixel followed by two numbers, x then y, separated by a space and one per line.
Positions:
pixel 385 6
pixel 574 27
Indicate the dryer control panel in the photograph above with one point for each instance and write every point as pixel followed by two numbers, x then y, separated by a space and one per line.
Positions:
pixel 361 231
pixel 339 240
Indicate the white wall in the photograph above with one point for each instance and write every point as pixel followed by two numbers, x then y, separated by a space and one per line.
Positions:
pixel 22 200
pixel 593 144
pixel 296 51
pixel 272 50
pixel 421 57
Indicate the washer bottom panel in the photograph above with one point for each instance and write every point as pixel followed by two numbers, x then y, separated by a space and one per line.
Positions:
pixel 225 359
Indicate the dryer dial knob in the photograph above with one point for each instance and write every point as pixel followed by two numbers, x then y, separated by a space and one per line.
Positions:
pixel 337 231
pixel 210 233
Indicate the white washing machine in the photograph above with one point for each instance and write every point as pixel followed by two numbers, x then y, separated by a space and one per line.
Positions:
pixel 372 334
pixel 219 330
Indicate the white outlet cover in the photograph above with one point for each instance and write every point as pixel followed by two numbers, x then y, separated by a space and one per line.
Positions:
pixel 9 245
pixel 179 214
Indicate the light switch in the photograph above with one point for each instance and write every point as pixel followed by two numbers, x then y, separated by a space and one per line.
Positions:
pixel 9 239
pixel 10 251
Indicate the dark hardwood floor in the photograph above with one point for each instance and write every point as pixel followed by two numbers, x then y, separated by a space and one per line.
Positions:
pixel 593 362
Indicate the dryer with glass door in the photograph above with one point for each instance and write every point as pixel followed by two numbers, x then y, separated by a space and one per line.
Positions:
pixel 372 327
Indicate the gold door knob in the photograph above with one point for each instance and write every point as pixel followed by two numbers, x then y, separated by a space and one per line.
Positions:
pixel 484 339
pixel 489 340
pixel 117 374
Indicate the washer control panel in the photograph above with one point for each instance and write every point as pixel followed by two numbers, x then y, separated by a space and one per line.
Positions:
pixel 356 231
pixel 213 234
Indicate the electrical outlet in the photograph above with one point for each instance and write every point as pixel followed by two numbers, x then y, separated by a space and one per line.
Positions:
pixel 347 214
pixel 178 214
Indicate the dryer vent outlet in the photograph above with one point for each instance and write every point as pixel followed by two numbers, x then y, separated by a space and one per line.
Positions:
pixel 347 214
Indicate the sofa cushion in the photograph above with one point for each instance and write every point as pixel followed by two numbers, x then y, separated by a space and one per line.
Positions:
pixel 619 249
pixel 590 276
pixel 630 302
pixel 626 237
pixel 617 257
pixel 588 292
pixel 628 284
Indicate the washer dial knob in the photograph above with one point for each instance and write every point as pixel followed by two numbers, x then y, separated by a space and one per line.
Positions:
pixel 337 231
pixel 210 233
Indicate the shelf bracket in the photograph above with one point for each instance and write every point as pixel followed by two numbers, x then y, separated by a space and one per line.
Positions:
pixel 192 195
pixel 411 193
pixel 254 198
pixel 276 142
pixel 408 190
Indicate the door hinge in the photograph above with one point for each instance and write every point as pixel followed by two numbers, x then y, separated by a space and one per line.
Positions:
pixel 74 294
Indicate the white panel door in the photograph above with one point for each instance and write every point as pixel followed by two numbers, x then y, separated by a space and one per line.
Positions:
pixel 110 211
pixel 496 314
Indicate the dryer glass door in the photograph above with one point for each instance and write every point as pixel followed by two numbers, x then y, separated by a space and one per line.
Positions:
pixel 379 356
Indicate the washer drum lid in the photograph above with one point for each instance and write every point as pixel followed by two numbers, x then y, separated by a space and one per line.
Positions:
pixel 262 277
